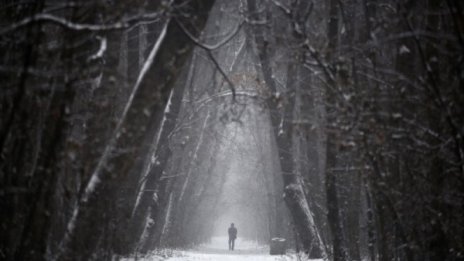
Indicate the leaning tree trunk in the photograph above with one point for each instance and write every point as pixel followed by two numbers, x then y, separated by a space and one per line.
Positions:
pixel 283 130
pixel 156 162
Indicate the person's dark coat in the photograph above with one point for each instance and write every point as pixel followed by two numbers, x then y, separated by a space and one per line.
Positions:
pixel 232 232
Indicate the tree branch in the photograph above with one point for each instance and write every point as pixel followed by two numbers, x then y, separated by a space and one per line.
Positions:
pixel 101 50
pixel 76 26
pixel 96 178
pixel 221 71
pixel 210 48
pixel 206 46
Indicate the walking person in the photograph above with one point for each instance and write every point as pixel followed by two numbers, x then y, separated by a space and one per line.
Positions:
pixel 232 236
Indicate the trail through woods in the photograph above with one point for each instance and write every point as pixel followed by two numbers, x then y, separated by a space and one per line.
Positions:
pixel 142 130
pixel 217 250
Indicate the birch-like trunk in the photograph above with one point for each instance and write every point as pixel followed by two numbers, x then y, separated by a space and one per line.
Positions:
pixel 81 212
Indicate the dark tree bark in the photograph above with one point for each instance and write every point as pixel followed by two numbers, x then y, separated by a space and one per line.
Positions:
pixel 282 126
pixel 333 142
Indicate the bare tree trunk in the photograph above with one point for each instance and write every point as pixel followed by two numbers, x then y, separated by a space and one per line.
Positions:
pixel 371 235
pixel 82 212
pixel 333 140
pixel 156 161
pixel 282 124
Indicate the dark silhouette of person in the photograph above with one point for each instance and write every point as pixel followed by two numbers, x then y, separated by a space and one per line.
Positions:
pixel 232 236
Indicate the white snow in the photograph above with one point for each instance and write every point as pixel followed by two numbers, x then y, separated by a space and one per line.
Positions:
pixel 404 49
pixel 101 51
pixel 217 250
pixel 228 257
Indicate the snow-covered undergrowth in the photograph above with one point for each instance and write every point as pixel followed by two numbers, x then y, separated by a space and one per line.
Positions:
pixel 217 250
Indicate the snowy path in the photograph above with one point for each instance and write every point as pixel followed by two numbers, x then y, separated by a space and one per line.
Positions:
pixel 192 256
pixel 217 251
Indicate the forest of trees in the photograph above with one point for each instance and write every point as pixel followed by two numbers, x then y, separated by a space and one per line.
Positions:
pixel 337 124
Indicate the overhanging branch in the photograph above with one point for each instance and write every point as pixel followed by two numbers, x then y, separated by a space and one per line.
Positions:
pixel 77 26
pixel 210 48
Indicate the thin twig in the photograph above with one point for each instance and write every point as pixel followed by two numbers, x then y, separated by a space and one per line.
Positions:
pixel 207 46
pixel 215 62
pixel 210 48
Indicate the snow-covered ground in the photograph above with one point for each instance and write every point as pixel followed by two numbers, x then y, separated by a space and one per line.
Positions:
pixel 217 250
